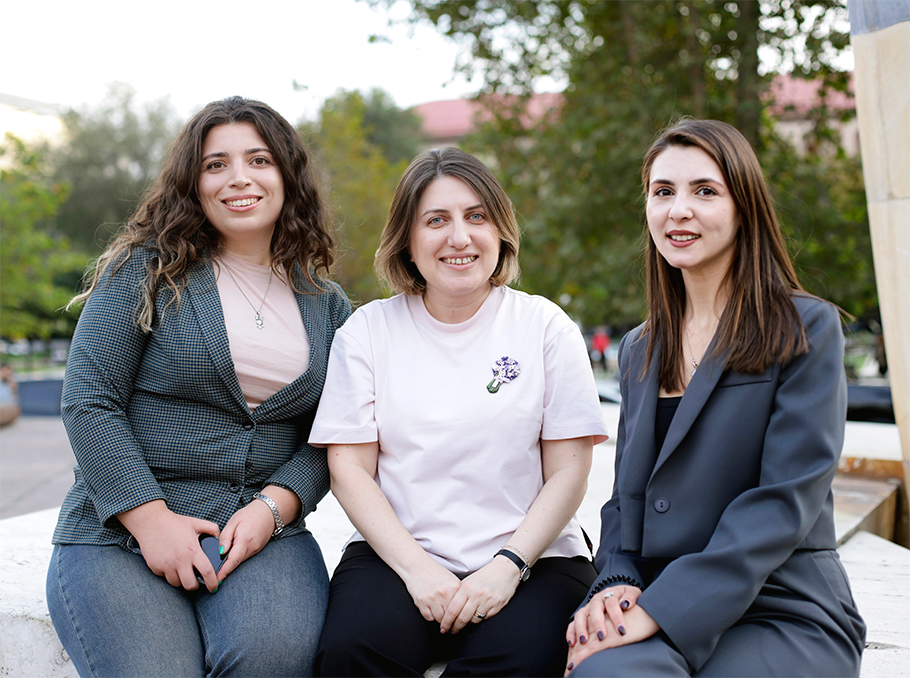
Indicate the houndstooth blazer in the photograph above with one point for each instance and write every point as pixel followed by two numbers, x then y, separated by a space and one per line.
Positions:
pixel 161 415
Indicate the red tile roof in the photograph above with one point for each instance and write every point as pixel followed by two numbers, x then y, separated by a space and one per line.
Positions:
pixel 455 118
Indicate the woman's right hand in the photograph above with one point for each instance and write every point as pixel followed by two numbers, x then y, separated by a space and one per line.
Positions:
pixel 170 544
pixel 432 588
pixel 591 620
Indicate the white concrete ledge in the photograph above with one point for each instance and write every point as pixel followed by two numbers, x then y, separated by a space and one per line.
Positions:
pixel 28 643
pixel 879 572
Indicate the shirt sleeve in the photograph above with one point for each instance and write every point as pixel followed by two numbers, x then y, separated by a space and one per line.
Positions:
pixel 346 412
pixel 571 407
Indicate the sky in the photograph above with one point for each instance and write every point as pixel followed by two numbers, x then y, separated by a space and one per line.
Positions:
pixel 197 51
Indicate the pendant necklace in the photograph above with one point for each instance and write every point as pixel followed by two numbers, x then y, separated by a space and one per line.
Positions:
pixel 259 323
pixel 691 355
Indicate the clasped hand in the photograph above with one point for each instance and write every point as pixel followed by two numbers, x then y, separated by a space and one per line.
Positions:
pixel 589 632
pixel 441 596
pixel 169 542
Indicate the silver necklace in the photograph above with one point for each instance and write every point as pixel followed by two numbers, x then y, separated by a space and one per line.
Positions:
pixel 259 323
pixel 691 355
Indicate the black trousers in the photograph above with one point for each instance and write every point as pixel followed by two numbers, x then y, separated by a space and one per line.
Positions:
pixel 373 627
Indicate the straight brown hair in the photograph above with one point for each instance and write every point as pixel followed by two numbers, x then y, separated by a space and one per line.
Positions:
pixel 760 324
pixel 393 260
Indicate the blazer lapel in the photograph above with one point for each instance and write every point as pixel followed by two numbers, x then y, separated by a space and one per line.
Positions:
pixel 301 391
pixel 206 303
pixel 697 393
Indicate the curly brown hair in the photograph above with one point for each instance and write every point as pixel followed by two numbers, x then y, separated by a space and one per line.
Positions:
pixel 171 222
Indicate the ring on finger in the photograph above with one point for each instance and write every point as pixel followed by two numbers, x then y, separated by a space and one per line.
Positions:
pixel 481 617
pixel 609 594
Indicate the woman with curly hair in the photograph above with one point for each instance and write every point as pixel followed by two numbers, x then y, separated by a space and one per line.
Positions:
pixel 192 381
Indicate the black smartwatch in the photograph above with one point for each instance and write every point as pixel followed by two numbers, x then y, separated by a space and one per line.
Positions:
pixel 524 570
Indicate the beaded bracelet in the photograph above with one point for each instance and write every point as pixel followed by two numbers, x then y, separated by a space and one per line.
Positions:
pixel 613 579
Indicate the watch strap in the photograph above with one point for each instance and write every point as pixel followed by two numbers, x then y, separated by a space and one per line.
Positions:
pixel 279 524
pixel 524 570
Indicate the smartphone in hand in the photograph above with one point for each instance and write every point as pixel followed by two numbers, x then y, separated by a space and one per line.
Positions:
pixel 210 546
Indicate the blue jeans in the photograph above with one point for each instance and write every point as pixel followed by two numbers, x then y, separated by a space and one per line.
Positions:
pixel 116 618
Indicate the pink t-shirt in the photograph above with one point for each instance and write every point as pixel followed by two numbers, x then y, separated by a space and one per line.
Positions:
pixel 268 359
pixel 460 466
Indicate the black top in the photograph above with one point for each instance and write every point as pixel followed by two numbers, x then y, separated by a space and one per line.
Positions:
pixel 666 409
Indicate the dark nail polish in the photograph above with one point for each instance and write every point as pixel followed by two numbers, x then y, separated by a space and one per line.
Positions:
pixel 624 605
pixel 622 630
pixel 570 666
pixel 216 589
pixel 583 640
pixel 600 635
pixel 569 643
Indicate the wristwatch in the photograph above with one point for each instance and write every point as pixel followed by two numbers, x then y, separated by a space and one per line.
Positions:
pixel 524 570
pixel 279 524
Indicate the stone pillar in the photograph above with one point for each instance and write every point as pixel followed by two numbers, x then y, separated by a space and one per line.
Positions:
pixel 880 35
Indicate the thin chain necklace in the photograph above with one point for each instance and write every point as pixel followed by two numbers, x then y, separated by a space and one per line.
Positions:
pixel 259 323
pixel 691 355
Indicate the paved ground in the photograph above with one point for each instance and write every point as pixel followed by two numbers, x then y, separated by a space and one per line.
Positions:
pixel 36 465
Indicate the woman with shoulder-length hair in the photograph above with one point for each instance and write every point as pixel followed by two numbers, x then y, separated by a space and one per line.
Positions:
pixel 460 417
pixel 192 380
pixel 717 553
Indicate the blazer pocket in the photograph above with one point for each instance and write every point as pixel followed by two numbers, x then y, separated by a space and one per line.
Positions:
pixel 739 379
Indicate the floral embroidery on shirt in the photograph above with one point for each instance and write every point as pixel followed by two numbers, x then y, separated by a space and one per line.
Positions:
pixel 504 370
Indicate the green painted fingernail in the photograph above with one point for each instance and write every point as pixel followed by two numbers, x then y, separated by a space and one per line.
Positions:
pixel 220 550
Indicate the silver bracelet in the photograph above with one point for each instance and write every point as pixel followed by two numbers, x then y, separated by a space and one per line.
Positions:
pixel 518 553
pixel 279 524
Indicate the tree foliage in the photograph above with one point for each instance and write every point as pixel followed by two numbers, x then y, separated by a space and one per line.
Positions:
pixel 39 270
pixel 362 144
pixel 111 155
pixel 629 69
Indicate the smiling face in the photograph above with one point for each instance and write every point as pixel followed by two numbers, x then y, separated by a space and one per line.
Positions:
pixel 241 189
pixel 691 215
pixel 455 247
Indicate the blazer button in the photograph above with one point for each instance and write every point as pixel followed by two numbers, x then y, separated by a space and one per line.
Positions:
pixel 661 505
pixel 234 487
pixel 248 425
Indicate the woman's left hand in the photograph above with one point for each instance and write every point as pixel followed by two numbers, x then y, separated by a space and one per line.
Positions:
pixel 245 535
pixel 638 624
pixel 251 528
pixel 485 592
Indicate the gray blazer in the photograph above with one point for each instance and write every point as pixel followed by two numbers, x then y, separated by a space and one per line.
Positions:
pixel 162 416
pixel 734 512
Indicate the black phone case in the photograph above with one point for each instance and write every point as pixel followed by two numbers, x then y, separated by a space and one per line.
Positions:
pixel 210 546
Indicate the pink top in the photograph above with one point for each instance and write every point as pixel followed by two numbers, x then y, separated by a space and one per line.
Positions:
pixel 268 359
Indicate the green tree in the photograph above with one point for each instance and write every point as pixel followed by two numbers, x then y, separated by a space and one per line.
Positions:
pixel 362 145
pixel 821 201
pixel 39 269
pixel 111 155
pixel 630 68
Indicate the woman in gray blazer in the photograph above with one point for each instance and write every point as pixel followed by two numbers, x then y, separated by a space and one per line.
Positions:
pixel 192 382
pixel 717 553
